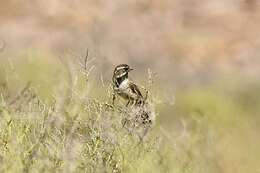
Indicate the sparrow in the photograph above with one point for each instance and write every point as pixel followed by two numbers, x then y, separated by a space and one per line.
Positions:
pixel 124 87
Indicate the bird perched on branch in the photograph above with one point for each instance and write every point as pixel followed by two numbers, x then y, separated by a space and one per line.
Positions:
pixel 124 87
pixel 140 116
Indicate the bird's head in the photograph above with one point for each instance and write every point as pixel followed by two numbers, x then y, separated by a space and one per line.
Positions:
pixel 122 70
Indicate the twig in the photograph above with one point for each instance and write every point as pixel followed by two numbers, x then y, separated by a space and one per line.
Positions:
pixel 86 60
pixel 84 66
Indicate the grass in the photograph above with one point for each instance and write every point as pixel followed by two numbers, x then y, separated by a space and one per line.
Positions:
pixel 54 120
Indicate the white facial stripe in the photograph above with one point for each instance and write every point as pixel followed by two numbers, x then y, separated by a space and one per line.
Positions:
pixel 121 74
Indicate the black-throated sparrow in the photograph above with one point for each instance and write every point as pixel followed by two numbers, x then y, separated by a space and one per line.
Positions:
pixel 124 87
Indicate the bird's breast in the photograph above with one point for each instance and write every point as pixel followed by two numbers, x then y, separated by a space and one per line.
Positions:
pixel 124 85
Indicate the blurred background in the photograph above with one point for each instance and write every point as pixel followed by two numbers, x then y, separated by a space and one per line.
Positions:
pixel 183 40
pixel 204 56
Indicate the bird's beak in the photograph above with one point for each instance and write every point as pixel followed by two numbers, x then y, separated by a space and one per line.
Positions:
pixel 130 69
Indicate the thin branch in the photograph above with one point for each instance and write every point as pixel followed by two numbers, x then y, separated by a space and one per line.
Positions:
pixel 85 70
pixel 86 60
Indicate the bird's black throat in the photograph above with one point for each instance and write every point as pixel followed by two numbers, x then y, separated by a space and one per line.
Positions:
pixel 119 80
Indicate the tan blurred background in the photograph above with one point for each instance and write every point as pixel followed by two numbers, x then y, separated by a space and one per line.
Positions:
pixel 184 40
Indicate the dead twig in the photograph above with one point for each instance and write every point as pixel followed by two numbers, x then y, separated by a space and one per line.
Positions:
pixel 85 70
pixel 86 60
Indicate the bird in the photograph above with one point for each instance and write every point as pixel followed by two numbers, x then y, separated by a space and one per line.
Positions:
pixel 124 87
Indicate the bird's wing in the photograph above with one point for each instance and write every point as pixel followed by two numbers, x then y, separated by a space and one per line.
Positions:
pixel 135 89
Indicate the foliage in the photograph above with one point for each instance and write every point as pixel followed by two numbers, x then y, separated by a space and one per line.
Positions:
pixel 54 120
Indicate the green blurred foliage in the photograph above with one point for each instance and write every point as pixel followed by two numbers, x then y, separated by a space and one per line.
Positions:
pixel 210 128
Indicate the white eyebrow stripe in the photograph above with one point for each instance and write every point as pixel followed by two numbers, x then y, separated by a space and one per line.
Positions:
pixel 119 68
